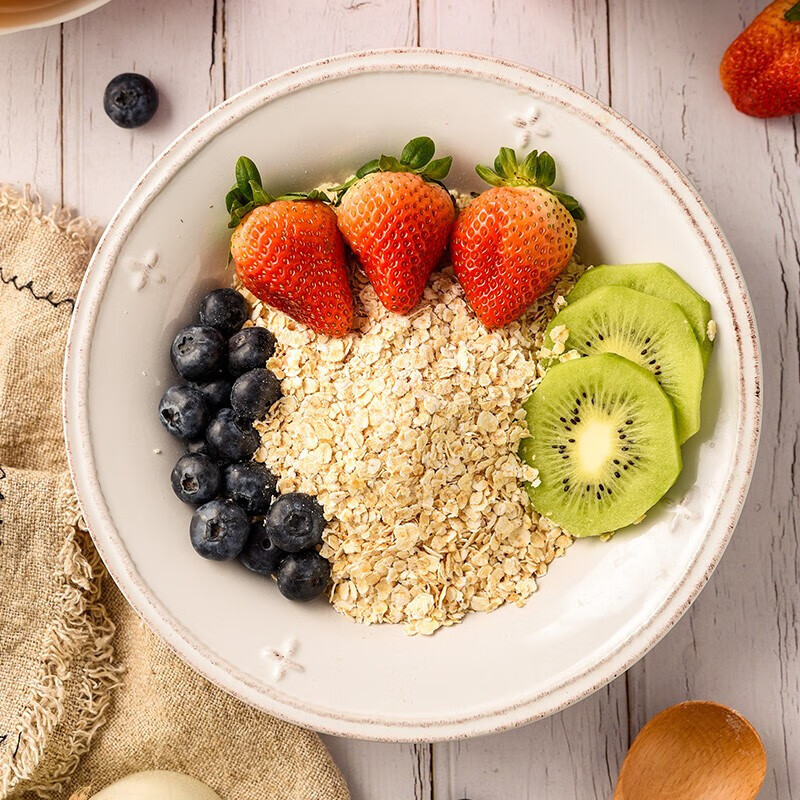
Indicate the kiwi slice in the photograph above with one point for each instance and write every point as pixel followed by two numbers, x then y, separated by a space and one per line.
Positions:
pixel 654 333
pixel 604 440
pixel 655 279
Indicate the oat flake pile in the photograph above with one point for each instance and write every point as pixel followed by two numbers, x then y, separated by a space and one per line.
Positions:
pixel 407 432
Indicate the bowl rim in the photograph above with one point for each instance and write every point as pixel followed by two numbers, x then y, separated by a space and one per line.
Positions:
pixel 491 719
pixel 52 15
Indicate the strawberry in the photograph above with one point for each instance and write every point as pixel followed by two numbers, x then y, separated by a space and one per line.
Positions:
pixel 289 253
pixel 512 240
pixel 396 217
pixel 761 69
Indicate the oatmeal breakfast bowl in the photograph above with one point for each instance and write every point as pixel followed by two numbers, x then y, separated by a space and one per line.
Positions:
pixel 412 395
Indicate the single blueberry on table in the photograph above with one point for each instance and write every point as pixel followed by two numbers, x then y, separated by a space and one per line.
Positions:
pixel 295 522
pixel 303 576
pixel 130 100
pixel 198 352
pixel 251 485
pixel 217 392
pixel 229 438
pixel 183 412
pixel 254 393
pixel 196 479
pixel 224 309
pixel 260 554
pixel 248 349
pixel 219 530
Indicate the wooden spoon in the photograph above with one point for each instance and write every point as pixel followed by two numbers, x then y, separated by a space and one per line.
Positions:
pixel 694 751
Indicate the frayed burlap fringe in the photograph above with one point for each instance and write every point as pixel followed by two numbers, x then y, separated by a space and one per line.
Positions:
pixel 83 232
pixel 83 630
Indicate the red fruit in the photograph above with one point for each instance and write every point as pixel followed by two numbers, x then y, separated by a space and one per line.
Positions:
pixel 510 243
pixel 761 69
pixel 397 222
pixel 289 253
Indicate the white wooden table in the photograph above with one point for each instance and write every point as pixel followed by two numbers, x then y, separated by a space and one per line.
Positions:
pixel 656 62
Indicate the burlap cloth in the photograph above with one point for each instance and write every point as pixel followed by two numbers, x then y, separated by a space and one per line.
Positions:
pixel 87 693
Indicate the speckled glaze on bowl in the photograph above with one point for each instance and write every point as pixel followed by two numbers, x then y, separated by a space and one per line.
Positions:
pixel 600 608
pixel 13 21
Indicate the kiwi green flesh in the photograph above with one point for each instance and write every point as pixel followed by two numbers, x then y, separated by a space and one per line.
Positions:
pixel 652 332
pixel 655 279
pixel 604 440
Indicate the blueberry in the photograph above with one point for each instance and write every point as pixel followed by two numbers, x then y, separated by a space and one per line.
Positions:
pixel 254 392
pixel 249 349
pixel 229 438
pixel 197 446
pixel 198 352
pixel 217 392
pixel 223 309
pixel 295 522
pixel 251 485
pixel 196 479
pixel 303 576
pixel 183 412
pixel 260 554
pixel 130 100
pixel 219 530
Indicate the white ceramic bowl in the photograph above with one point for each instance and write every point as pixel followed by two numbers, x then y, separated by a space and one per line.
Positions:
pixel 600 608
pixel 43 12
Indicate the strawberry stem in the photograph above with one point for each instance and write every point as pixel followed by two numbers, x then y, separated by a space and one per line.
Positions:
pixel 793 14
pixel 537 170
pixel 248 193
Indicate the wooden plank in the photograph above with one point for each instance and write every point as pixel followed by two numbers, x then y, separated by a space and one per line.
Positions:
pixel 575 754
pixel 30 125
pixel 566 38
pixel 383 770
pixel 739 642
pixel 267 37
pixel 175 44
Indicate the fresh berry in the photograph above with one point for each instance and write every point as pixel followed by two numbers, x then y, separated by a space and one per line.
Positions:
pixel 260 554
pixel 251 485
pixel 197 446
pixel 219 530
pixel 183 412
pixel 248 349
pixel 511 242
pixel 254 393
pixel 130 100
pixel 229 438
pixel 217 392
pixel 761 69
pixel 223 309
pixel 303 576
pixel 397 218
pixel 289 253
pixel 196 479
pixel 295 522
pixel 198 352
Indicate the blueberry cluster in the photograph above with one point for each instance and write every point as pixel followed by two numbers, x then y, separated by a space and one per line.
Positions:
pixel 239 511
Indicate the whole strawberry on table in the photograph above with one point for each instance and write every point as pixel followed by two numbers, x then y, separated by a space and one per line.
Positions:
pixel 761 69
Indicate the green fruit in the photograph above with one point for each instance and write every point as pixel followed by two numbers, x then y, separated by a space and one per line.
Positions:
pixel 654 333
pixel 604 440
pixel 658 280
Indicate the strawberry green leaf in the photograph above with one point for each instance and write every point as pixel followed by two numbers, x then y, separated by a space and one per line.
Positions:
pixel 231 198
pixel 437 170
pixel 246 171
pixel 528 167
pixel 793 14
pixel 545 170
pixel 418 152
pixel 368 168
pixel 505 164
pixel 489 175
pixel 260 197
pixel 391 164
